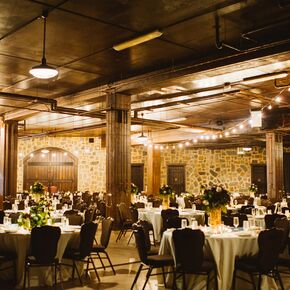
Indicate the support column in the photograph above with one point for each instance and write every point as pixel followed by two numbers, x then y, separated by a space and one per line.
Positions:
pixel 118 157
pixel 154 168
pixel 8 157
pixel 274 154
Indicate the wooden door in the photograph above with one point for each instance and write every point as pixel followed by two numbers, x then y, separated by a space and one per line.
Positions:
pixel 176 178
pixel 137 175
pixel 259 177
pixel 54 168
pixel 286 169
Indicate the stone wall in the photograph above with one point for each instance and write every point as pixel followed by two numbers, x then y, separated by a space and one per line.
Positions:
pixel 201 165
pixel 222 166
pixel 91 159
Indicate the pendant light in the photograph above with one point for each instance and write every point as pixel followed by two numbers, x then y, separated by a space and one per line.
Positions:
pixel 43 71
pixel 142 137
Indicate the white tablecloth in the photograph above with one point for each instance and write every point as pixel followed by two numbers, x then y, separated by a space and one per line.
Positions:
pixel 153 216
pixel 19 243
pixel 223 248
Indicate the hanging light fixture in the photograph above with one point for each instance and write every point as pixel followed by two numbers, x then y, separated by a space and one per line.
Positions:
pixel 142 137
pixel 43 71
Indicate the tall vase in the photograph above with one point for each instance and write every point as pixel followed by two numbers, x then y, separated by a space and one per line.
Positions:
pixel 215 216
pixel 36 197
pixel 166 201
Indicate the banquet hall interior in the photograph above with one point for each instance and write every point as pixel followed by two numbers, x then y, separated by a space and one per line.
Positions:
pixel 145 144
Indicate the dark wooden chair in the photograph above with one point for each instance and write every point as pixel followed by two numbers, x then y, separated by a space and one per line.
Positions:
pixel 265 262
pixel 83 252
pixel 189 256
pixel 152 261
pixel 166 214
pixel 43 250
pixel 100 248
pixel 125 221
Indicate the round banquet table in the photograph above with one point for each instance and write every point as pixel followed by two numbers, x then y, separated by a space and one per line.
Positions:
pixel 153 215
pixel 19 243
pixel 223 249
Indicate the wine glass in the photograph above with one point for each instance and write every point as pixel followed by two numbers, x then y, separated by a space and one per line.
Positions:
pixel 236 221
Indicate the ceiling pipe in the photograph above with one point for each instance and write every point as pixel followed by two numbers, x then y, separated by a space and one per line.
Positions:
pixel 220 44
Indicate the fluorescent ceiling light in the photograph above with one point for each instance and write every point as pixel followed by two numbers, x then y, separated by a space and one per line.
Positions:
pixel 264 78
pixel 137 40
pixel 177 119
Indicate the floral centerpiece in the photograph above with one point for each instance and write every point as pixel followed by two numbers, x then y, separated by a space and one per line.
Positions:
pixel 166 191
pixel 134 191
pixel 214 199
pixel 38 215
pixel 37 190
pixel 253 188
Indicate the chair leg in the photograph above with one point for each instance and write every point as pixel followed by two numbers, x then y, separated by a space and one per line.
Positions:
pixel 55 275
pixel 147 276
pixel 100 258
pixel 120 234
pixel 174 286
pixel 259 281
pixel 216 279
pixel 25 271
pixel 207 280
pixel 87 268
pixel 137 276
pixel 79 276
pixel 280 280
pixel 183 281
pixel 164 278
pixel 130 238
pixel 28 276
pixel 253 281
pixel 96 272
pixel 234 279
pixel 110 262
pixel 60 275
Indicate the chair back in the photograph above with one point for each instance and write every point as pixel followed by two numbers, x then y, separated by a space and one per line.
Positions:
pixel 2 214
pixel 139 204
pixel 168 213
pixel 269 242
pixel 107 226
pixel 188 245
pixel 175 222
pixel 156 202
pixel 134 214
pixel 101 205
pixel 283 224
pixel 145 227
pixel 7 205
pixel 87 236
pixel 90 214
pixel 75 219
pixel 124 212
pixel 140 243
pixel 270 219
pixel 44 241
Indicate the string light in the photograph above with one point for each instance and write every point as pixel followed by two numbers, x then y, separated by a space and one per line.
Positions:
pixel 278 99
pixel 241 126
pixel 270 107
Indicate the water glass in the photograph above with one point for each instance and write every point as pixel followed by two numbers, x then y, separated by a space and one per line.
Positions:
pixel 194 207
pixel 253 211
pixel 6 221
pixel 245 225
pixel 287 213
pixel 183 223
pixel 269 211
pixel 251 223
pixel 236 221
pixel 64 221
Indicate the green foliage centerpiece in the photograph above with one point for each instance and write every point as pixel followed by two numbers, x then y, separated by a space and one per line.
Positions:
pixel 253 188
pixel 37 190
pixel 214 199
pixel 38 215
pixel 165 191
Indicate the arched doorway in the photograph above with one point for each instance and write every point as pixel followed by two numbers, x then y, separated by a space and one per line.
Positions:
pixel 54 167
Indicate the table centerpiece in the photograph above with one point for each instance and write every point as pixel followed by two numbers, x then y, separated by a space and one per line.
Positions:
pixel 38 215
pixel 253 188
pixel 214 199
pixel 166 192
pixel 37 190
pixel 134 192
